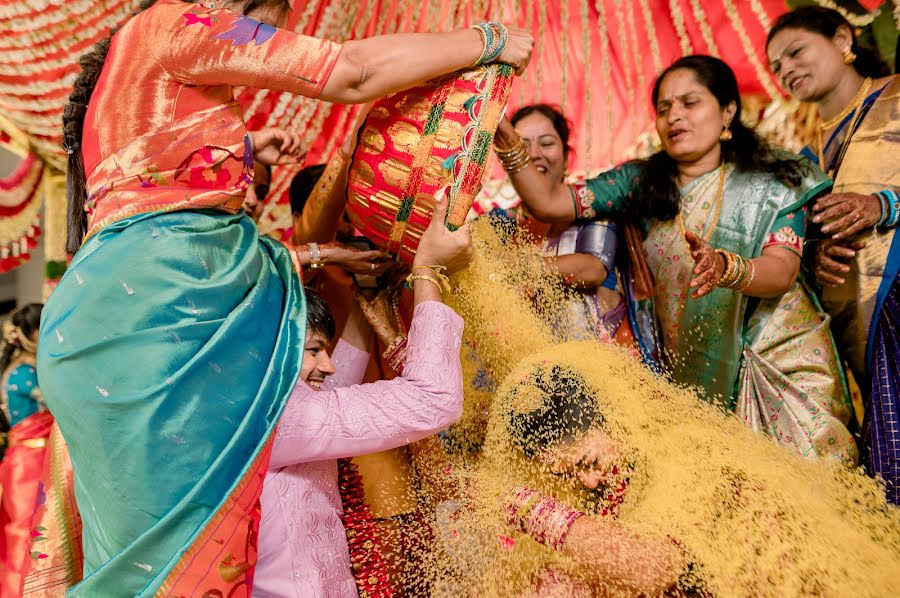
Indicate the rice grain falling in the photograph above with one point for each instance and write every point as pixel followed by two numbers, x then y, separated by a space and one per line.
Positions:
pixel 756 518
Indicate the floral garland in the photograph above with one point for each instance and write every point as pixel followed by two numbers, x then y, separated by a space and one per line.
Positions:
pixel 711 46
pixel 19 213
pixel 761 72
pixel 366 560
pixel 853 19
pixel 651 35
pixel 678 22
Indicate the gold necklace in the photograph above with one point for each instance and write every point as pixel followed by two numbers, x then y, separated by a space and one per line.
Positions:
pixel 856 101
pixel 720 193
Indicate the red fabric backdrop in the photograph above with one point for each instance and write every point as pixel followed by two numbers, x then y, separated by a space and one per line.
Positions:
pixel 595 58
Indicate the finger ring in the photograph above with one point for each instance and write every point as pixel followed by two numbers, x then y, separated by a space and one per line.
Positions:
pixel 373 265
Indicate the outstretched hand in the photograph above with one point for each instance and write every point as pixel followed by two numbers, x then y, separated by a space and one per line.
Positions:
pixel 708 265
pixel 276 147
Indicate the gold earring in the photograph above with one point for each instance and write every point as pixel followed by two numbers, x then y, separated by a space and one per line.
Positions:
pixel 726 135
pixel 849 56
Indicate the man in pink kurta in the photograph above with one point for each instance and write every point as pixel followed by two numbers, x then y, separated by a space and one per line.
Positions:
pixel 302 542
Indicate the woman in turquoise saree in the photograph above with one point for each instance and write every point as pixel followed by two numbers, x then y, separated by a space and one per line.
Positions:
pixel 174 339
pixel 815 54
pixel 723 218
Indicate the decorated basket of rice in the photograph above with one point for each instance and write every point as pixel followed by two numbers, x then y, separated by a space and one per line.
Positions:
pixel 421 143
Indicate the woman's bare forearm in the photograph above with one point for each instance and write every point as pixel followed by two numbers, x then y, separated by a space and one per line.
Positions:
pixel 374 67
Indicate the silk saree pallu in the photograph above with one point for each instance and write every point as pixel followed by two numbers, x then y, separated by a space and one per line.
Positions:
pixel 167 353
pixel 703 338
pixel 20 480
pixel 870 163
pixel 784 357
pixel 865 306
pixel 791 385
pixel 55 559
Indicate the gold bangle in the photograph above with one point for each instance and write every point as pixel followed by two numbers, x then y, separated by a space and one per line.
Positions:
pixel 484 49
pixel 732 269
pixel 728 264
pixel 748 279
pixel 518 146
pixel 738 273
pixel 518 167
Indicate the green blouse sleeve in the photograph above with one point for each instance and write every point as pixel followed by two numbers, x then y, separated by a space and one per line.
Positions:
pixel 608 193
pixel 788 231
pixel 789 228
pixel 814 183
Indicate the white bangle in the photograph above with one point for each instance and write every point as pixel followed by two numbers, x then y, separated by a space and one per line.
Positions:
pixel 315 258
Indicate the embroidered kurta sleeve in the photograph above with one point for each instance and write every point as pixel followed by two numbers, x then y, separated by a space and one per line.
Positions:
pixel 606 194
pixel 199 46
pixel 349 366
pixel 367 418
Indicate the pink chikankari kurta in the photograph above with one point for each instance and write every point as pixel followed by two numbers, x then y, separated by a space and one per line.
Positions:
pixel 302 543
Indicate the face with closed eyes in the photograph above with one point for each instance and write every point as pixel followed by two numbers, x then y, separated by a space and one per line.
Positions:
pixel 809 65
pixel 589 458
pixel 689 118
pixel 545 146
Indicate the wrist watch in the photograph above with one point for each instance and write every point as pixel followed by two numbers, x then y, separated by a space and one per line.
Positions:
pixel 315 258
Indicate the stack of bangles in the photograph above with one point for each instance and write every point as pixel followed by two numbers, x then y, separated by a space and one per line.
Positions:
pixel 494 35
pixel 514 159
pixel 395 354
pixel 890 208
pixel 541 517
pixel 738 274
pixel 434 275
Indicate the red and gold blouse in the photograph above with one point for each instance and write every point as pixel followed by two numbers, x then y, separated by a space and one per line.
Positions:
pixel 163 131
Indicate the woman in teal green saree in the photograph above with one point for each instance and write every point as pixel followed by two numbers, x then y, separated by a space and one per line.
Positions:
pixel 174 340
pixel 723 220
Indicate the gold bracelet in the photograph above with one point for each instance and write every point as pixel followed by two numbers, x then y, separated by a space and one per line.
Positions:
pixel 738 273
pixel 438 272
pixel 732 269
pixel 414 277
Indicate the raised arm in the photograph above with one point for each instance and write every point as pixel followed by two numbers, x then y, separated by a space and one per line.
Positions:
pixel 549 201
pixel 370 68
pixel 219 47
pixel 366 418
pixel 555 201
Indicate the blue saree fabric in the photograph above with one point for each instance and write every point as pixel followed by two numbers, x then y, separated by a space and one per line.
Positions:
pixel 167 353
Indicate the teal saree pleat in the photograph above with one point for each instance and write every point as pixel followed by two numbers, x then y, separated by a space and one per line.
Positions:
pixel 166 354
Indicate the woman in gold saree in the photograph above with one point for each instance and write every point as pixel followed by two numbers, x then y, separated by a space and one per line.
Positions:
pixel 174 340
pixel 815 54
pixel 724 219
